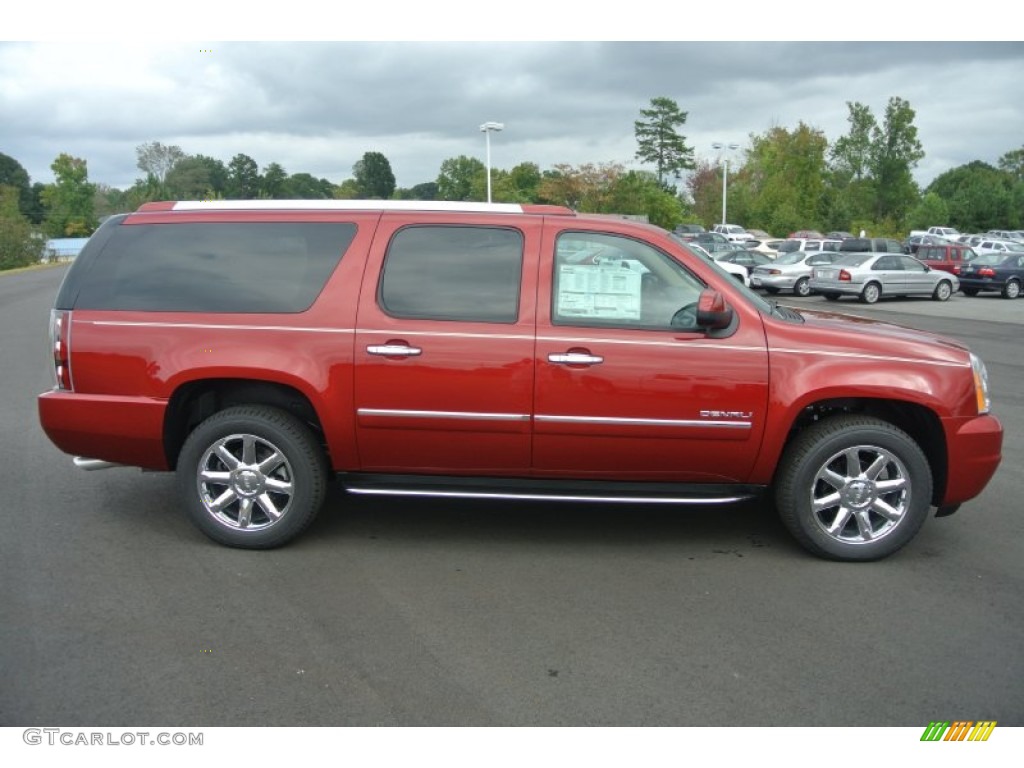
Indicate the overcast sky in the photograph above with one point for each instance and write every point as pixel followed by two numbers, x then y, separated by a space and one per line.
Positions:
pixel 316 107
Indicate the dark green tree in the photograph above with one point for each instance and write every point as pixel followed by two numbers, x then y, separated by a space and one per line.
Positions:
pixel 19 244
pixel 304 186
pixel 69 201
pixel 374 177
pixel 243 182
pixel 978 197
pixel 12 174
pixel 659 142
pixel 895 152
pixel 274 182
pixel 458 177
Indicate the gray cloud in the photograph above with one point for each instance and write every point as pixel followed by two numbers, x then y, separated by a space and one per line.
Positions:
pixel 317 107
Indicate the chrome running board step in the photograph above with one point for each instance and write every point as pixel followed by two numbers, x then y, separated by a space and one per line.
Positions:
pixel 546 490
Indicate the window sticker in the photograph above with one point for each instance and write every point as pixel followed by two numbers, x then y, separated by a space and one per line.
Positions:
pixel 607 291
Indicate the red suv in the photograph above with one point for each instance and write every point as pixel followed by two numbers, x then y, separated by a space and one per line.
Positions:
pixel 260 348
pixel 949 258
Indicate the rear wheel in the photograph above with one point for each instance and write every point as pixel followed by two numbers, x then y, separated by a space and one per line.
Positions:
pixel 802 287
pixel 1011 290
pixel 853 488
pixel 943 291
pixel 870 293
pixel 252 476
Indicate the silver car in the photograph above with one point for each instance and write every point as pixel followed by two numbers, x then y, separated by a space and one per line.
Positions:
pixel 869 276
pixel 790 271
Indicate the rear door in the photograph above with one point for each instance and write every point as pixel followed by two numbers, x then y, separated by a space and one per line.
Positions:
pixel 444 345
pixel 627 388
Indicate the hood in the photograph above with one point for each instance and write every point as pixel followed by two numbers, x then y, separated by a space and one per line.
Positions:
pixel 836 332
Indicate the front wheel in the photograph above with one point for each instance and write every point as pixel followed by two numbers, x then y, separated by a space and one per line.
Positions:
pixel 943 291
pixel 252 476
pixel 802 287
pixel 853 488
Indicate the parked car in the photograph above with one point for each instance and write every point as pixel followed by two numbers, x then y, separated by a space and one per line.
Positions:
pixel 949 257
pixel 689 229
pixel 806 234
pixel 912 243
pixel 759 234
pixel 1003 272
pixel 742 274
pixel 838 235
pixel 871 244
pixel 769 248
pixel 805 244
pixel 733 233
pixel 870 276
pixel 790 271
pixel 989 245
pixel 259 348
pixel 1012 235
pixel 949 233
pixel 743 258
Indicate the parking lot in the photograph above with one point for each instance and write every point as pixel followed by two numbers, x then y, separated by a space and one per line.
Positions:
pixel 117 612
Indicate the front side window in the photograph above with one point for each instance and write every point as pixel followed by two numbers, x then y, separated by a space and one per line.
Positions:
pixel 617 282
pixel 453 273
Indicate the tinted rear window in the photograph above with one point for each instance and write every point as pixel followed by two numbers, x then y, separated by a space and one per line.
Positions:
pixel 453 273
pixel 273 267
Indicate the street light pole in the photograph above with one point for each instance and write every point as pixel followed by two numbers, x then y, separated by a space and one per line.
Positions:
pixel 487 128
pixel 725 176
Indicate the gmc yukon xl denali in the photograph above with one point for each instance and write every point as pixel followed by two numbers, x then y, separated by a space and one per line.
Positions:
pixel 260 349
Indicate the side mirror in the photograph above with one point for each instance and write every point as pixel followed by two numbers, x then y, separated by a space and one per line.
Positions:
pixel 712 312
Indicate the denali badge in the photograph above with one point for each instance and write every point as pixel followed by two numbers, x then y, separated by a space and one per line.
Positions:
pixel 726 414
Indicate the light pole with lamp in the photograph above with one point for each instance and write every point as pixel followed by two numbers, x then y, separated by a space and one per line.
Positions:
pixel 487 128
pixel 725 174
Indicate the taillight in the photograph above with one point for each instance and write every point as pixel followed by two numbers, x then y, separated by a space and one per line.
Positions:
pixel 844 276
pixel 60 343
pixel 987 272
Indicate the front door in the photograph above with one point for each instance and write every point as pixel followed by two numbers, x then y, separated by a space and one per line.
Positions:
pixel 628 388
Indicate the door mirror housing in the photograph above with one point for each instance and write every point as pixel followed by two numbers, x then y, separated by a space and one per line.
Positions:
pixel 713 314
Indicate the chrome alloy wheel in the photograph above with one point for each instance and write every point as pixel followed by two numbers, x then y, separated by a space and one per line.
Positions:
pixel 245 482
pixel 860 494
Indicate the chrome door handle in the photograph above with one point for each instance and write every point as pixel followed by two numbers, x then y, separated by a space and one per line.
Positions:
pixel 575 358
pixel 394 350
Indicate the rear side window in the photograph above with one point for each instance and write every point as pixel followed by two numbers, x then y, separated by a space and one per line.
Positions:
pixel 453 273
pixel 272 267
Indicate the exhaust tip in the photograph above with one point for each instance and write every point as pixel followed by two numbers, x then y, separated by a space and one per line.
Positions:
pixel 91 465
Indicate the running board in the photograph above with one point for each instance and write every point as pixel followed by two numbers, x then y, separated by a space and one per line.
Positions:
pixel 547 490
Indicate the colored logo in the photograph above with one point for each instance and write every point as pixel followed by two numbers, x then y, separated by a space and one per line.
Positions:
pixel 959 730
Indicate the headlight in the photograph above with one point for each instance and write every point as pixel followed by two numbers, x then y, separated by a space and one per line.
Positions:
pixel 980 384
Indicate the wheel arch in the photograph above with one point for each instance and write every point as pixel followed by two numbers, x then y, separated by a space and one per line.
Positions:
pixel 920 422
pixel 195 401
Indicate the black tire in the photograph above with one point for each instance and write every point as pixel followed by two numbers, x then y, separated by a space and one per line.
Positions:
pixel 943 291
pixel 871 293
pixel 969 291
pixel 802 287
pixel 845 449
pixel 1011 290
pixel 832 296
pixel 255 458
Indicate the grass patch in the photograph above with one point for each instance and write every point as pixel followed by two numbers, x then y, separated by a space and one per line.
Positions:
pixel 34 268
